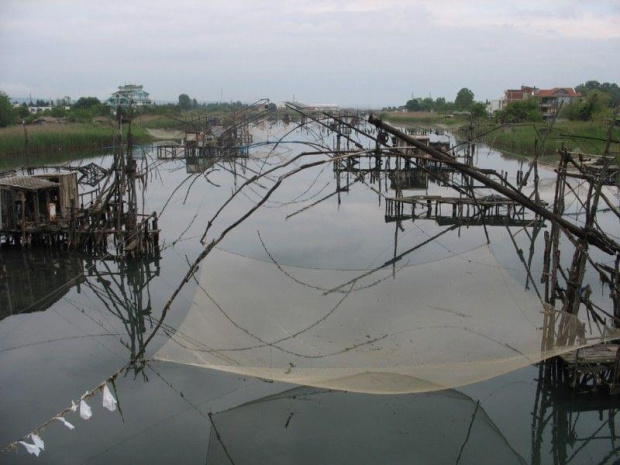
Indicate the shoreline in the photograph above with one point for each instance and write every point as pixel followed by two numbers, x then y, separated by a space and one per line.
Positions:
pixel 521 139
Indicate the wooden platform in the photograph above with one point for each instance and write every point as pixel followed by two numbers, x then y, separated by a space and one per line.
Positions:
pixel 601 354
pixel 490 210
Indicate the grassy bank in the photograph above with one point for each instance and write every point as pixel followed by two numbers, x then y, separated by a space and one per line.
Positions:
pixel 521 139
pixel 588 137
pixel 423 118
pixel 164 121
pixel 53 138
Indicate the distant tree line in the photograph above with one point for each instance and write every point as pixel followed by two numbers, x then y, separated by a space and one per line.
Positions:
pixel 186 103
pixel 596 101
pixel 86 108
pixel 463 102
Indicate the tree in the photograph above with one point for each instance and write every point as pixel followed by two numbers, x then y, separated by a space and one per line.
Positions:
pixel 521 110
pixel 413 105
pixel 464 99
pixel 587 87
pixel 23 111
pixel 583 110
pixel 86 103
pixel 7 113
pixel 478 110
pixel 428 104
pixel 58 111
pixel 611 89
pixel 184 102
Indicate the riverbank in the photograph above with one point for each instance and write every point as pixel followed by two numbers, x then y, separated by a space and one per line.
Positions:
pixel 423 118
pixel 66 138
pixel 522 139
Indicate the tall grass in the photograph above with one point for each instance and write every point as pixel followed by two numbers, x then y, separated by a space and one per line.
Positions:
pixel 588 137
pixel 524 138
pixel 55 138
pixel 162 121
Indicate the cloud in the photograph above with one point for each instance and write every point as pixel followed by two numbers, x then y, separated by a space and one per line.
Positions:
pixel 346 51
pixel 591 20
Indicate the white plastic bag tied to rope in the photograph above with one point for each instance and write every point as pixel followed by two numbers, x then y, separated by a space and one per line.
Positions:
pixel 109 402
pixel 85 411
pixel 31 448
pixel 37 441
pixel 65 422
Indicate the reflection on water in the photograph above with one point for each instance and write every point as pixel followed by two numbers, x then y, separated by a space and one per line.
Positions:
pixel 560 415
pixel 34 279
pixel 327 222
pixel 306 426
pixel 124 289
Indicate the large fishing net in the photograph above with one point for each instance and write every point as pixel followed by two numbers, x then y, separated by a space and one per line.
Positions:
pixel 292 307
pixel 444 427
pixel 430 326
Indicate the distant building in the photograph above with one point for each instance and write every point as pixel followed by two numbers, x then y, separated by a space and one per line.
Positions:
pixel 36 109
pixel 513 95
pixel 494 105
pixel 323 107
pixel 551 100
pixel 130 95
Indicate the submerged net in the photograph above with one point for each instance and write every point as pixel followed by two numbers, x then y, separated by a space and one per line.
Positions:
pixel 427 327
pixel 444 427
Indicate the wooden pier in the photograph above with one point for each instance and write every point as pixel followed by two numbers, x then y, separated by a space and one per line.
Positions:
pixel 170 151
pixel 490 210
pixel 594 367
pixel 231 138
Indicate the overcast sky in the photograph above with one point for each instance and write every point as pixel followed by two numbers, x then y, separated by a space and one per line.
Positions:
pixel 348 52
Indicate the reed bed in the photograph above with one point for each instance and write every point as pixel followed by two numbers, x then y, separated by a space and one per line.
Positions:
pixel 53 138
pixel 522 139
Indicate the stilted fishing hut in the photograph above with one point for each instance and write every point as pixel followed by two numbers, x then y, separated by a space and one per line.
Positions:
pixel 36 208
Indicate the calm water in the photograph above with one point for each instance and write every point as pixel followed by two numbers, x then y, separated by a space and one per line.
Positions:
pixel 70 322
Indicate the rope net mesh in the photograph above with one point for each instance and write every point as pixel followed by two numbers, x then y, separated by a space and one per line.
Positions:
pixel 427 327
pixel 359 429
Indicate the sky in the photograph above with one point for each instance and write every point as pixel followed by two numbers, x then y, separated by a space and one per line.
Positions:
pixel 364 53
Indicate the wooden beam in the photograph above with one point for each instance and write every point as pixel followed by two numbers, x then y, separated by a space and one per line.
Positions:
pixel 593 237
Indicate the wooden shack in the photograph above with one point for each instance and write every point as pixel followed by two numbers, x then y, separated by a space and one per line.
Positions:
pixel 34 204
pixel 67 194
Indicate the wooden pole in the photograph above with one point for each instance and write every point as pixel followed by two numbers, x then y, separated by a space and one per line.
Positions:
pixel 593 237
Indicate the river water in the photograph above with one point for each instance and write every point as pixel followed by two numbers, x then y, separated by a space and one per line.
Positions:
pixel 70 322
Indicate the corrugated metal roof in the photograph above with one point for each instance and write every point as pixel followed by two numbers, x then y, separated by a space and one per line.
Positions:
pixel 27 182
